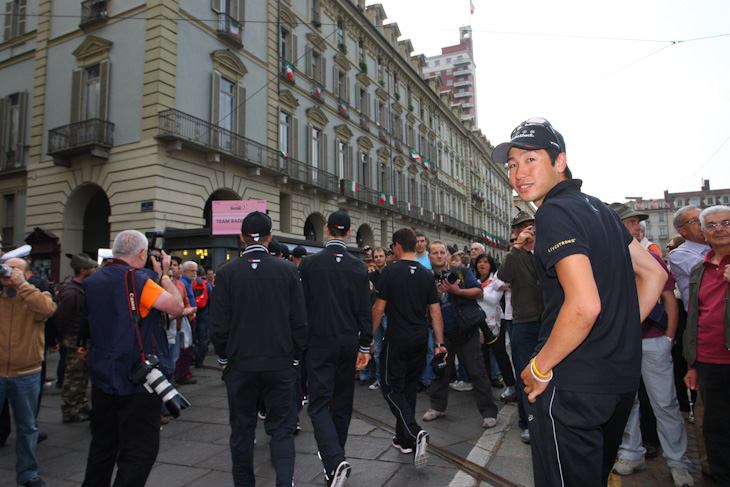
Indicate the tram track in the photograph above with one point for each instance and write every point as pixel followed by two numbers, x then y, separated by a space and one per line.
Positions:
pixel 472 469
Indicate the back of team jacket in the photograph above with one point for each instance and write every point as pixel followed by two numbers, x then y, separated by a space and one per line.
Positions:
pixel 337 293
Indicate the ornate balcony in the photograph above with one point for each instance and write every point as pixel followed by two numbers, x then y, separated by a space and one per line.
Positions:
pixel 93 12
pixel 94 136
pixel 229 29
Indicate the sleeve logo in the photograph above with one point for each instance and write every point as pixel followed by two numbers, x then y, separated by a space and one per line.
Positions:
pixel 560 244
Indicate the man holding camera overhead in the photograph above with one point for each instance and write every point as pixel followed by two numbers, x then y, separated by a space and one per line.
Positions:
pixel 125 427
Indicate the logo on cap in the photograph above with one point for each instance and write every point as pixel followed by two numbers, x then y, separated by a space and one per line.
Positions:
pixel 412 268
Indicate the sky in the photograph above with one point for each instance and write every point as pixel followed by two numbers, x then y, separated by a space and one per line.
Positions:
pixel 640 89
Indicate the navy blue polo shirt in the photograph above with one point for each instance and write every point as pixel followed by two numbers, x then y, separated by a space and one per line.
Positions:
pixel 570 222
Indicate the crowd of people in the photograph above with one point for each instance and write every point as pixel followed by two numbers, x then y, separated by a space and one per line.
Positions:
pixel 602 344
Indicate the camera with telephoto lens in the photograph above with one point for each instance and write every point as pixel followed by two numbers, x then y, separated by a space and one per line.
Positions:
pixel 5 270
pixel 148 374
pixel 444 275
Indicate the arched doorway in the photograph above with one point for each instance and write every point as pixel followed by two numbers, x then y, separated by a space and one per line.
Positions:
pixel 218 195
pixel 314 228
pixel 364 236
pixel 86 221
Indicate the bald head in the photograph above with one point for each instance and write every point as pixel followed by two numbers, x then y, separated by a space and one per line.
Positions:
pixel 17 263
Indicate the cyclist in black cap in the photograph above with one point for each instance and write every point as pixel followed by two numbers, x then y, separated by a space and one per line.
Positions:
pixel 258 328
pixel 598 284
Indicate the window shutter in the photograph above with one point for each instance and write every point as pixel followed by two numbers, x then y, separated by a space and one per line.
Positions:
pixel 3 130
pixel 241 5
pixel 216 5
pixel 294 131
pixel 241 111
pixel 215 106
pixel 351 164
pixel 324 163
pixel 335 81
pixel 104 90
pixel 323 71
pixel 367 108
pixel 309 144
pixel 308 62
pixel 78 75
pixel 22 103
pixel 291 56
pixel 8 21
pixel 22 10
pixel 370 168
pixel 347 90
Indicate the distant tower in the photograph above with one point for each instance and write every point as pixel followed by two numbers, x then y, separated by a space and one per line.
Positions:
pixel 455 65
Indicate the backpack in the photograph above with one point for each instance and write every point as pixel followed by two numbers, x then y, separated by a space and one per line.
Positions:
pixel 200 291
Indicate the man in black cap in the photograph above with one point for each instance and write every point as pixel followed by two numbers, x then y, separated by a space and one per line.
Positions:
pixel 258 329
pixel 71 300
pixel 598 284
pixel 337 293
pixel 298 254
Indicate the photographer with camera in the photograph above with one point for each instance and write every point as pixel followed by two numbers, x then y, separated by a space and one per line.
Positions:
pixel 124 325
pixel 458 290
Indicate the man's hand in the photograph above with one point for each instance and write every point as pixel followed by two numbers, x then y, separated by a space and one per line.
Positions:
pixel 82 352
pixel 726 274
pixel 527 236
pixel 690 380
pixel 362 360
pixel 16 279
pixel 447 287
pixel 533 387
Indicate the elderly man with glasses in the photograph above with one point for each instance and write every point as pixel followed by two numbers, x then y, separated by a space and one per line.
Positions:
pixel 707 339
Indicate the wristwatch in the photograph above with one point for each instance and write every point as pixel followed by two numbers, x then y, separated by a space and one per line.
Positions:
pixel 673 341
pixel 439 345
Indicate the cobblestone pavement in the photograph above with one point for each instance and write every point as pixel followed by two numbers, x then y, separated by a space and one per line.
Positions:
pixel 194 448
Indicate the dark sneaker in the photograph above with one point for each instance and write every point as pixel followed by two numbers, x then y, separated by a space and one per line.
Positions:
pixel 421 458
pixel 79 417
pixel 36 482
pixel 338 476
pixel 403 449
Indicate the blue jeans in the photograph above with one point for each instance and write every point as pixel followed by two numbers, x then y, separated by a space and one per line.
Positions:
pixel 23 395
pixel 201 331
pixel 377 347
pixel 524 340
pixel 427 374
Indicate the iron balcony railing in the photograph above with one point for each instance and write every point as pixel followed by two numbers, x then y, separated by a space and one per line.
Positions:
pixel 229 27
pixel 93 11
pixel 80 137
pixel 177 125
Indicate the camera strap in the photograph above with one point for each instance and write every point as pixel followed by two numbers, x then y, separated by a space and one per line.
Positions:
pixel 133 311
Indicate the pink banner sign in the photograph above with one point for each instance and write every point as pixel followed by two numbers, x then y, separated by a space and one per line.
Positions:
pixel 228 214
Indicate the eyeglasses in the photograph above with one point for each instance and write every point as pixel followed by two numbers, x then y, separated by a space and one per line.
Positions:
pixel 691 221
pixel 671 247
pixel 712 226
pixel 540 122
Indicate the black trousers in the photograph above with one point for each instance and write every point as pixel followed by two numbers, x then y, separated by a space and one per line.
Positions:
pixel 715 389
pixel 278 390
pixel 401 364
pixel 125 430
pixel 499 348
pixel 574 436
pixel 331 388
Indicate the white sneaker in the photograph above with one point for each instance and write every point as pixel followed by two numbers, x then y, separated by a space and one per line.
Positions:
pixel 456 384
pixel 525 436
pixel 489 422
pixel 624 466
pixel 681 477
pixel 432 414
pixel 508 391
pixel 374 386
pixel 421 458
pixel 463 386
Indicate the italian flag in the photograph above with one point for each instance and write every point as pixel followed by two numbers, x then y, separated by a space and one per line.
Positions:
pixel 285 155
pixel 423 212
pixel 382 198
pixel 289 71
pixel 353 186
pixel 391 200
pixel 235 29
pixel 410 206
pixel 415 155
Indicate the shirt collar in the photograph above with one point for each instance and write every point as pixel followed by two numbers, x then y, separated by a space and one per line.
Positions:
pixel 562 186
pixel 702 249
pixel 255 248
pixel 336 242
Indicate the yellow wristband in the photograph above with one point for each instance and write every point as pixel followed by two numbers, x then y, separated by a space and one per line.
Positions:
pixel 164 277
pixel 538 374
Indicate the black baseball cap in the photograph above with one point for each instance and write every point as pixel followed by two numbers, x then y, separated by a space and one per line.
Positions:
pixel 534 133
pixel 256 225
pixel 339 220
pixel 438 364
pixel 299 252
pixel 274 247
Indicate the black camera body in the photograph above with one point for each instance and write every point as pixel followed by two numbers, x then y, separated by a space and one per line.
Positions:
pixel 154 381
pixel 152 237
pixel 5 270
pixel 445 275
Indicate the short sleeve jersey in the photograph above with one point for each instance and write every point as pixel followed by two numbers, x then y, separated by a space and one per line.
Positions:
pixel 408 288
pixel 567 223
